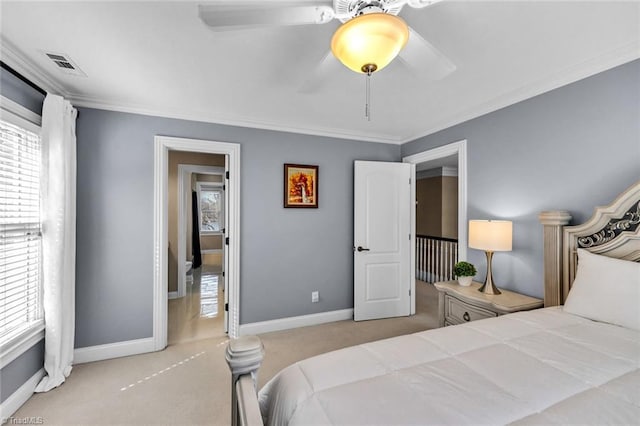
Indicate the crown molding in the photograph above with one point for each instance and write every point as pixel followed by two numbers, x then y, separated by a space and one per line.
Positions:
pixel 627 53
pixel 426 174
pixel 450 171
pixel 19 62
pixel 444 171
pixel 89 102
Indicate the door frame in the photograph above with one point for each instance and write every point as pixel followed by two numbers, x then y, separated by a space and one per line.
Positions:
pixel 183 172
pixel 459 148
pixel 162 146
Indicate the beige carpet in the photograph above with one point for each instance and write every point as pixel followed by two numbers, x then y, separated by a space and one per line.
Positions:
pixel 189 383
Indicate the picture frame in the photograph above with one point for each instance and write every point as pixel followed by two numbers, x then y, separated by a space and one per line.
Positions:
pixel 300 186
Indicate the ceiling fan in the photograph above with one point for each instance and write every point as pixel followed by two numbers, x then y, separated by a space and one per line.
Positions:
pixel 370 37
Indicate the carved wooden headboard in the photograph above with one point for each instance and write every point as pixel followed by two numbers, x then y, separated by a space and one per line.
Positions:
pixel 613 231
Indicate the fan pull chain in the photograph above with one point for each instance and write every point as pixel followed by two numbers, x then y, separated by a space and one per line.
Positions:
pixel 368 69
pixel 367 106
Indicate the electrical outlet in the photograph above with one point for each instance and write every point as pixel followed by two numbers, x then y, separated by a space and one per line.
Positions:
pixel 315 297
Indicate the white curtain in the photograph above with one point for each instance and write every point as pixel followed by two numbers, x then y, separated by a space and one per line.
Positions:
pixel 58 237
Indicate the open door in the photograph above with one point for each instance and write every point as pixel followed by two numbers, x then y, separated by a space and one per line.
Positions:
pixel 225 243
pixel 382 240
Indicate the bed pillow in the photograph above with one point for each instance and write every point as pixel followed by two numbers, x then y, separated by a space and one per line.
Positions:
pixel 606 289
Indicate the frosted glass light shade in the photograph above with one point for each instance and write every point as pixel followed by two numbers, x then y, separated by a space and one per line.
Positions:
pixel 490 235
pixel 371 39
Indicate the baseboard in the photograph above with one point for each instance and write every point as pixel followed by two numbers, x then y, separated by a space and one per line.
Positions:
pixel 173 295
pixel 295 322
pixel 20 396
pixel 113 350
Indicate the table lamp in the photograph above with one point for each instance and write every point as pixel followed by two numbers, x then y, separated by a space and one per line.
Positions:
pixel 490 236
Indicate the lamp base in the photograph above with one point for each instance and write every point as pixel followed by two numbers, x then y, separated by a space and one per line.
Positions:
pixel 489 287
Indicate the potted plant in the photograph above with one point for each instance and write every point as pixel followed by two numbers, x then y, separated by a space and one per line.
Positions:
pixel 465 272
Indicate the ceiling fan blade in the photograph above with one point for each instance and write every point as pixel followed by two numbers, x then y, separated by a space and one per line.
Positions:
pixel 419 4
pixel 329 65
pixel 424 59
pixel 238 15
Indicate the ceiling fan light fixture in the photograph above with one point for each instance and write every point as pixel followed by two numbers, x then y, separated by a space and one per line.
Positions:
pixel 369 42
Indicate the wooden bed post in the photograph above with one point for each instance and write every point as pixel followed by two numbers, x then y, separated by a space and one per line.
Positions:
pixel 244 356
pixel 553 222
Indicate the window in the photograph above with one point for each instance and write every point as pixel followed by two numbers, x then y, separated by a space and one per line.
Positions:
pixel 211 208
pixel 20 230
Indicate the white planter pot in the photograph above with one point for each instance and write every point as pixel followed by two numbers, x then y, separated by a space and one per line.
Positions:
pixel 465 281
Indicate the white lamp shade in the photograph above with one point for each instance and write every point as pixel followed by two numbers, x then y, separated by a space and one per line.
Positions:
pixel 490 235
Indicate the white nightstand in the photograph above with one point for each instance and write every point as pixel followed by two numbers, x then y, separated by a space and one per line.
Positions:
pixel 458 304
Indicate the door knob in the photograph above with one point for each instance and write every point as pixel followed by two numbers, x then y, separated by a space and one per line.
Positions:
pixel 360 248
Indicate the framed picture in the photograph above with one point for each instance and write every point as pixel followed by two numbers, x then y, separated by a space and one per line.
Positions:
pixel 300 186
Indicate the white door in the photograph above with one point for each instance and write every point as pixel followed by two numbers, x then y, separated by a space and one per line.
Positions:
pixel 382 240
pixel 225 246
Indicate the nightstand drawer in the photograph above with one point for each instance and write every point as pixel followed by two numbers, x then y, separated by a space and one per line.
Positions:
pixel 458 312
pixel 459 304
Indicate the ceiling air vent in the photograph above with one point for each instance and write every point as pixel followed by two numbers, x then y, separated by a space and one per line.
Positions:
pixel 64 64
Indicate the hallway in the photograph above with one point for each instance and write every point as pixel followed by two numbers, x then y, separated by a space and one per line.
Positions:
pixel 200 314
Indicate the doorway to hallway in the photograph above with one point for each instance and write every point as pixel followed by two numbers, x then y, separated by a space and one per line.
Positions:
pixel 231 153
pixel 440 229
pixel 196 246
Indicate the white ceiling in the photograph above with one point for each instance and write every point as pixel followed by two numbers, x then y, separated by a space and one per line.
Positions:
pixel 159 58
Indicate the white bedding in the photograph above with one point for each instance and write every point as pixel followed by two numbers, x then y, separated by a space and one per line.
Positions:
pixel 538 367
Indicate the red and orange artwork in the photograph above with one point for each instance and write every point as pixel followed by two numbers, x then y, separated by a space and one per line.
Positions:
pixel 301 186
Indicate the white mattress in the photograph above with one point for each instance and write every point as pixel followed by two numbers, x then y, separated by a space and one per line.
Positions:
pixel 537 367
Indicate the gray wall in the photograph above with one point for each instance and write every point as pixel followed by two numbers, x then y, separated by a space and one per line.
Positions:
pixel 520 162
pixel 285 253
pixel 573 148
pixel 17 372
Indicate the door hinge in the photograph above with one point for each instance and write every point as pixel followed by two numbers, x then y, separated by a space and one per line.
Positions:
pixel 223 273
pixel 224 230
pixel 226 175
pixel 224 187
pixel 226 241
pixel 409 292
pixel 226 307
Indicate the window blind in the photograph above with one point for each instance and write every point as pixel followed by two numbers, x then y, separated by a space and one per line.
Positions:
pixel 20 230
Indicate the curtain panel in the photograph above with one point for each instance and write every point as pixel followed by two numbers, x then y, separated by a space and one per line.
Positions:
pixel 58 206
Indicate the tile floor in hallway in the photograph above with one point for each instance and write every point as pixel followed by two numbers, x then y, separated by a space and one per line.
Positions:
pixel 199 314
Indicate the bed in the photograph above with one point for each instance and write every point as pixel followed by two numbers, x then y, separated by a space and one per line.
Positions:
pixel 576 361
